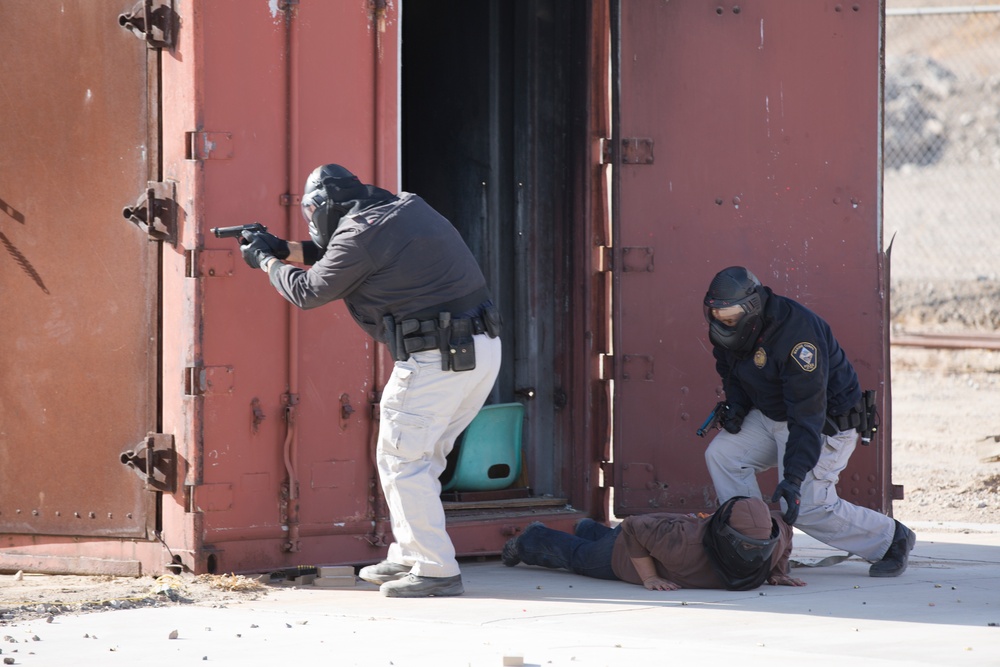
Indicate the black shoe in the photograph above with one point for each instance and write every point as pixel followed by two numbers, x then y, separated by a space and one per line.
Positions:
pixel 379 573
pixel 509 554
pixel 415 586
pixel 895 560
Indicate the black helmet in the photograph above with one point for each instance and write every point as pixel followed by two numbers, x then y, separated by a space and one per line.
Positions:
pixel 330 193
pixel 741 560
pixel 735 287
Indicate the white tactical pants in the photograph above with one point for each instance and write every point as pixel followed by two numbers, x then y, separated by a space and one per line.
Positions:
pixel 735 459
pixel 423 410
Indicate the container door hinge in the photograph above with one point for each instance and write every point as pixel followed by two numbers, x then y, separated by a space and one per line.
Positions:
pixel 605 154
pixel 605 259
pixel 154 460
pixel 208 380
pixel 153 21
pixel 607 474
pixel 607 366
pixel 209 145
pixel 637 150
pixel 155 211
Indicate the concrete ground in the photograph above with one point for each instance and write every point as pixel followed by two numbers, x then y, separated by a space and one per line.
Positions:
pixel 945 610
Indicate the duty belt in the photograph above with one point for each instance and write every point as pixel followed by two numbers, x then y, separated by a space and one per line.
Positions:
pixel 422 335
pixel 452 336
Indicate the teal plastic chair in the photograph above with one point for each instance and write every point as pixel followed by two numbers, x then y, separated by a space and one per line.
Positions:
pixel 487 454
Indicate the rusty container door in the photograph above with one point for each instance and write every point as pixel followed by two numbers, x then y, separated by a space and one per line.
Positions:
pixel 273 407
pixel 746 134
pixel 79 283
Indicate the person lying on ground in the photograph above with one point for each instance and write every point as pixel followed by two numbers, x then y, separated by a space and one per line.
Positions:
pixel 738 547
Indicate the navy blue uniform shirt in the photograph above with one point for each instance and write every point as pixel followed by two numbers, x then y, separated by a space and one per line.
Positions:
pixel 795 373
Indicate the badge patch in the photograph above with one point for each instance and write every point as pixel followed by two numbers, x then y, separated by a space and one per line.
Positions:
pixel 759 358
pixel 805 355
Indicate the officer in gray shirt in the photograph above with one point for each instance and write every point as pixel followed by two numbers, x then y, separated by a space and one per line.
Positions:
pixel 410 281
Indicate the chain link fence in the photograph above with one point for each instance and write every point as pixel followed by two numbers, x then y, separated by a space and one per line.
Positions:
pixel 942 166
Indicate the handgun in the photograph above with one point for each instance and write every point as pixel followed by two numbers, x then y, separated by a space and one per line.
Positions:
pixel 713 419
pixel 237 231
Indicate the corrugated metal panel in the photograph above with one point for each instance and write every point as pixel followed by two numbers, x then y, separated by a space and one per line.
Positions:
pixel 748 135
pixel 78 369
pixel 291 396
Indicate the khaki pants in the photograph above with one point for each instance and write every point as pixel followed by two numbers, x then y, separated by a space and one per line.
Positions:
pixel 735 459
pixel 423 410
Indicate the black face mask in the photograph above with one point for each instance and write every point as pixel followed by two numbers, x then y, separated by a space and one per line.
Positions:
pixel 733 287
pixel 739 338
pixel 330 193
pixel 323 221
pixel 742 562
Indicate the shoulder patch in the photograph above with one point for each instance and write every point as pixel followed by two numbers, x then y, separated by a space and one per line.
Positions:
pixel 805 356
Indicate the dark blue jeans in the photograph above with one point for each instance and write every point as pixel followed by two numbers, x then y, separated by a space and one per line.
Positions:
pixel 587 552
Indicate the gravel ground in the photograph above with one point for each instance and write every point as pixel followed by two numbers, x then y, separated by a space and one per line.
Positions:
pixel 945 432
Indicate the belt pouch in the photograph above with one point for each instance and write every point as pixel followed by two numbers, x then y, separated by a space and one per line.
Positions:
pixel 462 349
pixel 492 320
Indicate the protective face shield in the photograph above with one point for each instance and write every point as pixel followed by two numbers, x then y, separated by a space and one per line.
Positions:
pixel 733 308
pixel 742 560
pixel 742 551
pixel 329 194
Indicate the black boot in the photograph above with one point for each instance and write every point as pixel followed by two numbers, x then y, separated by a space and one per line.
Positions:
pixel 894 561
pixel 511 554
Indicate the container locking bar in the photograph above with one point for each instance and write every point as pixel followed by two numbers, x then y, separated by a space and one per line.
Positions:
pixel 153 21
pixel 155 211
pixel 155 461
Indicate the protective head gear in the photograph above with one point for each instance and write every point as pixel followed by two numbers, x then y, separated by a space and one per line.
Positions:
pixel 737 293
pixel 740 539
pixel 331 191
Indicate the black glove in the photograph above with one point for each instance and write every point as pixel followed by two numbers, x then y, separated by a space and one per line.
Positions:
pixel 256 249
pixel 278 247
pixel 732 418
pixel 789 489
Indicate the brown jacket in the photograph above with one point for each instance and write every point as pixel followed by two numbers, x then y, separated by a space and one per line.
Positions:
pixel 674 541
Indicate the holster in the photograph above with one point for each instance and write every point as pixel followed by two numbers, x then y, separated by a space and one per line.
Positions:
pixel 863 417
